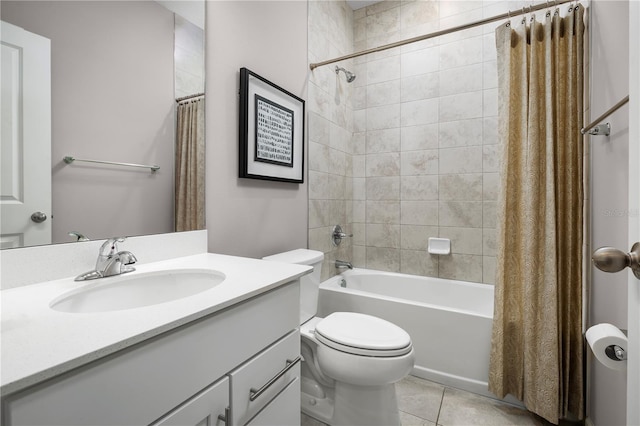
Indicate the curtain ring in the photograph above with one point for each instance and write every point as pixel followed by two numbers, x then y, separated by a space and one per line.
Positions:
pixel 548 10
pixel 533 15
pixel 508 18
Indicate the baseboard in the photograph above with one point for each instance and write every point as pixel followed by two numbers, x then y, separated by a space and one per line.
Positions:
pixel 463 383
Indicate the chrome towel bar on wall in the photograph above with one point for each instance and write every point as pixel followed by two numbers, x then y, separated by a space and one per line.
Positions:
pixel 69 159
pixel 604 129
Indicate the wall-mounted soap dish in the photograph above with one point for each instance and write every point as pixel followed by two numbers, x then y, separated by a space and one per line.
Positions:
pixel 439 246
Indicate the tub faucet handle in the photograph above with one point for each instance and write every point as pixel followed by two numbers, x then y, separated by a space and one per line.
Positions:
pixel 337 235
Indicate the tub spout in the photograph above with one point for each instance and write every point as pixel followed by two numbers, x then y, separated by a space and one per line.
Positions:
pixel 343 264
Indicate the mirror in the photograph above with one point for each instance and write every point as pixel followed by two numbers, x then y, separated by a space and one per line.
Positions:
pixel 117 69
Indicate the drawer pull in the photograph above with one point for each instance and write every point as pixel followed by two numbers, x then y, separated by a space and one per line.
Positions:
pixel 224 419
pixel 255 393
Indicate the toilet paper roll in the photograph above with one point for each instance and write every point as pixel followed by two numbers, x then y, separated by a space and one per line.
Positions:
pixel 600 337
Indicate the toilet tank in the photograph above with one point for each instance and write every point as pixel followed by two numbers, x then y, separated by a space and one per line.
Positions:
pixel 310 283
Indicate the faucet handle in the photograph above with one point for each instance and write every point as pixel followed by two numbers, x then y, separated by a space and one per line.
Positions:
pixel 79 236
pixel 337 235
pixel 112 245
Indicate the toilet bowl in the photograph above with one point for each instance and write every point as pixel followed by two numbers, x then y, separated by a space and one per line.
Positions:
pixel 351 361
pixel 362 366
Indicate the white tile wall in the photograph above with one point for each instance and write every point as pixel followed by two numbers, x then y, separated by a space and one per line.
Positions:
pixel 337 187
pixel 422 149
pixel 189 58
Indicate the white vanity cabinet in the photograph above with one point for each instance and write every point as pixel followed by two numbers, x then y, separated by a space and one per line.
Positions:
pixel 202 373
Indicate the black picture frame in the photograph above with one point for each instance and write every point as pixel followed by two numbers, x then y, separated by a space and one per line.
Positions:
pixel 271 137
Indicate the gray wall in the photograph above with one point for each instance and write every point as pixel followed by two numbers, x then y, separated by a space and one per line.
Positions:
pixel 112 99
pixel 609 182
pixel 244 216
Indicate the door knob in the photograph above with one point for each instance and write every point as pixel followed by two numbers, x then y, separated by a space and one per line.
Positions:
pixel 38 217
pixel 609 259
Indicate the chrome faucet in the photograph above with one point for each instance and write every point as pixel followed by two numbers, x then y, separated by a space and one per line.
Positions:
pixel 343 264
pixel 110 261
pixel 79 236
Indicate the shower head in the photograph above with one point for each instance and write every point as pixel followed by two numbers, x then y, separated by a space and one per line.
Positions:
pixel 348 74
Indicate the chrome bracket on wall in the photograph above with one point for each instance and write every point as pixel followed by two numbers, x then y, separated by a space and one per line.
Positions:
pixel 601 130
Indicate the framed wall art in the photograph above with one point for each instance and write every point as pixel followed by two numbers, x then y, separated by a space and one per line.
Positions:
pixel 271 131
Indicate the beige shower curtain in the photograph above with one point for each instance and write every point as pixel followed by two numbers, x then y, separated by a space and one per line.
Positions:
pixel 537 344
pixel 190 152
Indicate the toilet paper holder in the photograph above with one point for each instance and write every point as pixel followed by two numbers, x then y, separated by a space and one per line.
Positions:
pixel 609 259
pixel 616 353
pixel 608 344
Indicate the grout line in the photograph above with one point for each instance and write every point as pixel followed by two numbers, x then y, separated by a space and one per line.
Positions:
pixel 415 415
pixel 444 389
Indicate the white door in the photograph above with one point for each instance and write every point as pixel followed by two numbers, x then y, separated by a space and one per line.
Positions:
pixel 633 353
pixel 25 151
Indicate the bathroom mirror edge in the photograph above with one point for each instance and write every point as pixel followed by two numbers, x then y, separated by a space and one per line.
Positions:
pixel 131 214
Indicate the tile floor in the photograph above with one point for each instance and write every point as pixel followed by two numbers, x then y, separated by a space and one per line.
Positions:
pixel 424 403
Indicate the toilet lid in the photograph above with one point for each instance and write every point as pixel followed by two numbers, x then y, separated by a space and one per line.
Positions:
pixel 362 334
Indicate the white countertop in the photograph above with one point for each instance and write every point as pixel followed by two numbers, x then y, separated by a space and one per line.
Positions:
pixel 39 343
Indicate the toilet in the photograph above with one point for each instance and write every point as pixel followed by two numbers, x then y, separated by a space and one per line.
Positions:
pixel 351 361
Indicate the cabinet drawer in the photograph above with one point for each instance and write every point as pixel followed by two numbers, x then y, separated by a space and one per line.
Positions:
pixel 284 410
pixel 259 380
pixel 203 409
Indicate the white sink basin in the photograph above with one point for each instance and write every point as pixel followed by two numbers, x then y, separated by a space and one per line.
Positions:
pixel 137 290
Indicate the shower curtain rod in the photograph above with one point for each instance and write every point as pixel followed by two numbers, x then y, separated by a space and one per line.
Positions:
pixel 507 15
pixel 184 98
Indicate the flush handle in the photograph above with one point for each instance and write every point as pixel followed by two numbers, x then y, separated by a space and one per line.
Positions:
pixel 609 259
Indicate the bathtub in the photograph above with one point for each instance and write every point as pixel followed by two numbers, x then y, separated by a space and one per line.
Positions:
pixel 449 321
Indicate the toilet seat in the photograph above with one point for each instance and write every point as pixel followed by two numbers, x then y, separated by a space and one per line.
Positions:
pixel 361 334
